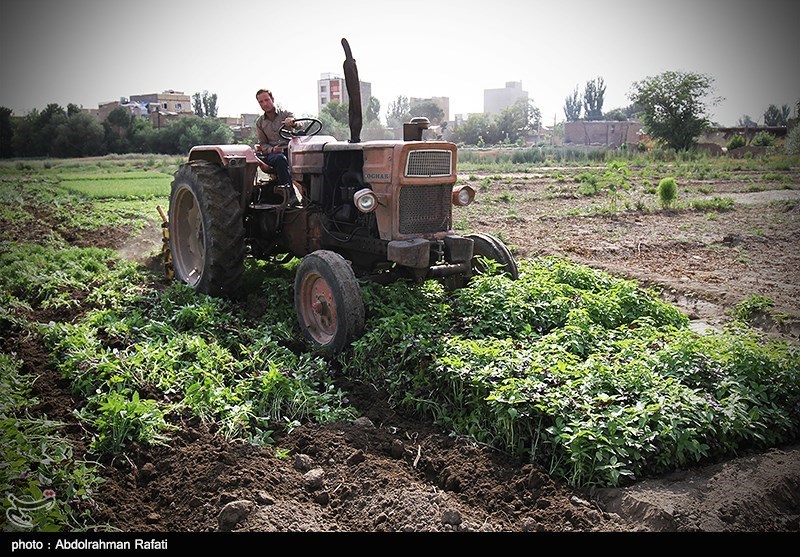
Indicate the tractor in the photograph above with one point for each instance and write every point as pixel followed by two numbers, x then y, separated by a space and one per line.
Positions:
pixel 377 210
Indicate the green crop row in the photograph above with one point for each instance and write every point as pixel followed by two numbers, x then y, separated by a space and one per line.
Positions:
pixel 584 373
pixel 581 371
pixel 118 185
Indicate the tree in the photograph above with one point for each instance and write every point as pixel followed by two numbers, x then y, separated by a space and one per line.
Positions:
pixel 775 116
pixel 33 134
pixel 673 107
pixel 429 110
pixel 331 126
pixel 572 106
pixel 6 133
pixel 373 112
pixel 81 135
pixel 210 104
pixel 24 141
pixel 197 103
pixel 184 133
pixel 50 119
pixel 593 99
pixel 616 114
pixel 516 121
pixel 374 129
pixel 339 111
pixel 119 127
pixel 399 112
pixel 633 111
pixel 476 130
pixel 205 104
pixel 180 135
pixel 746 122
pixel 335 118
pixel 792 145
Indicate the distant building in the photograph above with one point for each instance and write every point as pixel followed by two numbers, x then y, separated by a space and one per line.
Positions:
pixel 331 87
pixel 722 135
pixel 135 108
pixel 159 108
pixel 459 119
pixel 93 111
pixel 230 121
pixel 497 100
pixel 249 120
pixel 104 109
pixel 168 101
pixel 164 107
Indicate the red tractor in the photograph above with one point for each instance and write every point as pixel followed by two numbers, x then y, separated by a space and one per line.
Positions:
pixel 371 210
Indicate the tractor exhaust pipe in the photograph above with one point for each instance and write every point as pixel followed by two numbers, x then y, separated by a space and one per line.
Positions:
pixel 353 91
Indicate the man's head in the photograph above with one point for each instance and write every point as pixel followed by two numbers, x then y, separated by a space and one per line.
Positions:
pixel 265 100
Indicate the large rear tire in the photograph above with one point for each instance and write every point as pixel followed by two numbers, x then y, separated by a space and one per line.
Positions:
pixel 206 229
pixel 327 298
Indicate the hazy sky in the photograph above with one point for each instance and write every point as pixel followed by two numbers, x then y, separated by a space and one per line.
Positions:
pixel 94 51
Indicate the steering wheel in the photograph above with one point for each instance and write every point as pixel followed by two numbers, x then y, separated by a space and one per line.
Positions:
pixel 308 126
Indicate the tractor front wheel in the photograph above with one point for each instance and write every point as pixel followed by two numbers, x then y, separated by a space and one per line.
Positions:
pixel 489 247
pixel 486 245
pixel 327 298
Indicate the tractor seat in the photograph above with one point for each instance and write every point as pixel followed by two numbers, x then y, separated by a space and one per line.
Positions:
pixel 266 173
pixel 271 174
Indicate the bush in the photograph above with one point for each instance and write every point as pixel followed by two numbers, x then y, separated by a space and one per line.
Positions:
pixel 763 139
pixel 667 191
pixel 736 142
pixel 792 144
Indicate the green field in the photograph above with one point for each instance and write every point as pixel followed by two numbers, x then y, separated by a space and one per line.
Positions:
pixel 117 186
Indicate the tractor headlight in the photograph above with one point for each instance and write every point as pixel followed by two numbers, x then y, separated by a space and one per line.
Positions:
pixel 365 200
pixel 463 195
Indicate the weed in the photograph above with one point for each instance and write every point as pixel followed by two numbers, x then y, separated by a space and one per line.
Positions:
pixel 752 306
pixel 667 192
pixel 715 204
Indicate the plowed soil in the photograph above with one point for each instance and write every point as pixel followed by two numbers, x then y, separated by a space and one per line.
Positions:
pixel 390 472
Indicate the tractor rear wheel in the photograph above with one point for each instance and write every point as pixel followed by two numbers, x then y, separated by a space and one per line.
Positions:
pixel 328 301
pixel 206 229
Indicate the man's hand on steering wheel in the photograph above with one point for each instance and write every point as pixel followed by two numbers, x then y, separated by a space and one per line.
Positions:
pixel 296 127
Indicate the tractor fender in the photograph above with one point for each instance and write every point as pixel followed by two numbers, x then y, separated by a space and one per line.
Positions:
pixel 224 155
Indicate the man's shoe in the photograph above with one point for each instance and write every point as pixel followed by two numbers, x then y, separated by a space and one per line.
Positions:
pixel 293 202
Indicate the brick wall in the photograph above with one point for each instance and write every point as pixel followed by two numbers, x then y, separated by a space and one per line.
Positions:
pixel 607 133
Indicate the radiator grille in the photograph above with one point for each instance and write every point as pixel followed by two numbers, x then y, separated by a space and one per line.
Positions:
pixel 429 162
pixel 425 209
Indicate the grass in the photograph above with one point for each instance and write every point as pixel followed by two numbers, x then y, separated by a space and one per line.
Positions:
pixel 115 186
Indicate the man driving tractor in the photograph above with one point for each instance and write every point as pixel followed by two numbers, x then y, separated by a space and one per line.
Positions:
pixel 272 145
